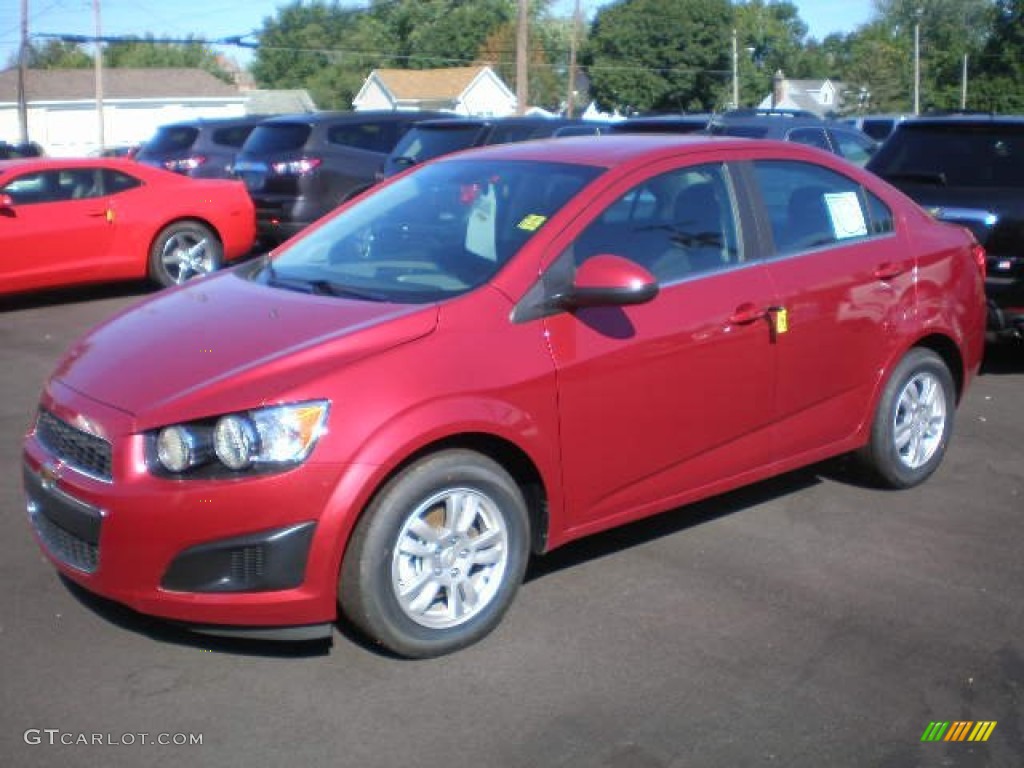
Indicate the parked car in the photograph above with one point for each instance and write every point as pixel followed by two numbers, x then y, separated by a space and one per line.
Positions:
pixel 798 126
pixel 878 127
pixel 64 222
pixel 495 354
pixel 201 148
pixel 683 123
pixel 298 168
pixel 969 169
pixel 432 138
pixel 23 149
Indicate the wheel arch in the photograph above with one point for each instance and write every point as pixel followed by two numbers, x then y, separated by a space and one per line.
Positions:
pixel 512 459
pixel 948 350
pixel 184 219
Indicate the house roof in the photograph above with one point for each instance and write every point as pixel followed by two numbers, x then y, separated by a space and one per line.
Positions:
pixel 423 84
pixel 118 83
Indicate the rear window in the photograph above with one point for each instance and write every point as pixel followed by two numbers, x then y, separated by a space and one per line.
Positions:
pixel 954 154
pixel 173 138
pixel 232 136
pixel 422 143
pixel 506 134
pixel 277 137
pixel 373 137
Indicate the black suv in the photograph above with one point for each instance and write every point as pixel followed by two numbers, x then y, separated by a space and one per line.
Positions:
pixel 432 138
pixel 969 169
pixel 300 167
pixel 799 126
pixel 203 148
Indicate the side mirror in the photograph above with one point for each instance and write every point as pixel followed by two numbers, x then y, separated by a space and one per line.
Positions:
pixel 608 280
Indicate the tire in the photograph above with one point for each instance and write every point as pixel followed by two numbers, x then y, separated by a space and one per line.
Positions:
pixel 438 555
pixel 184 250
pixel 913 422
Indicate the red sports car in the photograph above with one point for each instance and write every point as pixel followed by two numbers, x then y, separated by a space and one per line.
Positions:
pixel 490 356
pixel 65 221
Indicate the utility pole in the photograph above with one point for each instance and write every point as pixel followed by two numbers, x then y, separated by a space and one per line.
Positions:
pixel 735 73
pixel 963 86
pixel 522 52
pixel 22 67
pixel 99 75
pixel 917 61
pixel 570 100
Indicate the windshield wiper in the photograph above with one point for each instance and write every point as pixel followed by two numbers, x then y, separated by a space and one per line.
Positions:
pixel 919 177
pixel 317 286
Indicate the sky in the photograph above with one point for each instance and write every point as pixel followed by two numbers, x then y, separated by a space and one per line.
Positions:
pixel 223 18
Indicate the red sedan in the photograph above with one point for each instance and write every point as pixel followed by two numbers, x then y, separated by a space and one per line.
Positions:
pixel 64 222
pixel 488 357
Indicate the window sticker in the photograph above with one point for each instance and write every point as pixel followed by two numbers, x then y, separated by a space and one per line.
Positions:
pixel 846 214
pixel 532 222
pixel 482 225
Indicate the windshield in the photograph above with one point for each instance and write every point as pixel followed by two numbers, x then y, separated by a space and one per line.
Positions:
pixel 954 154
pixel 437 233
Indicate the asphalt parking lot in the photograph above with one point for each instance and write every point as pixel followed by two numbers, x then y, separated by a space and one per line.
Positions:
pixel 806 621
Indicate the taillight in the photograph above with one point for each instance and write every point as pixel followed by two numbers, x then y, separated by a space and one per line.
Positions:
pixel 980 258
pixel 184 164
pixel 301 167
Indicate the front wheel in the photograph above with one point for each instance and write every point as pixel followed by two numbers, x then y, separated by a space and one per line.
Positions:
pixel 184 250
pixel 438 555
pixel 913 422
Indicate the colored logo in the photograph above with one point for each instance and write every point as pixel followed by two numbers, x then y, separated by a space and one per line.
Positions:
pixel 960 730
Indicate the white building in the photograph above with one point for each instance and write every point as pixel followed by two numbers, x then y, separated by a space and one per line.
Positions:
pixel 63 118
pixel 476 91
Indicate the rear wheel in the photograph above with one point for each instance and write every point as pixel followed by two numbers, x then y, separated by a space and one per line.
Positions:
pixel 184 250
pixel 913 422
pixel 438 556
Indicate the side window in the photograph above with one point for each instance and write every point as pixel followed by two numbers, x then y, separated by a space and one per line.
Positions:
pixel 854 148
pixel 375 137
pixel 115 181
pixel 677 225
pixel 813 137
pixel 81 183
pixel 42 187
pixel 881 216
pixel 811 207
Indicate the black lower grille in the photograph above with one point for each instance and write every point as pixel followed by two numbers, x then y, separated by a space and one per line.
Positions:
pixel 64 545
pixel 78 449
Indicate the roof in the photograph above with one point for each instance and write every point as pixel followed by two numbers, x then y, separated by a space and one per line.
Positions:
pixel 118 83
pixel 448 83
pixel 278 102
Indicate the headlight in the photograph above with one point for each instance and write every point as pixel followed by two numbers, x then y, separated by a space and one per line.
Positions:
pixel 276 435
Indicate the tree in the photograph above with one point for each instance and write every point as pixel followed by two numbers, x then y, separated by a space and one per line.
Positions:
pixel 770 38
pixel 666 55
pixel 148 53
pixel 56 54
pixel 999 86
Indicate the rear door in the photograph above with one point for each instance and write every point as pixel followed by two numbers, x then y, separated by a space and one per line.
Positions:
pixel 845 284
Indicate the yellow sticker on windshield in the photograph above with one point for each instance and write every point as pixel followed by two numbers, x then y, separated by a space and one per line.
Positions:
pixel 532 222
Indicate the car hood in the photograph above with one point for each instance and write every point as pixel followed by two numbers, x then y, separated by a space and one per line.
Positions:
pixel 225 343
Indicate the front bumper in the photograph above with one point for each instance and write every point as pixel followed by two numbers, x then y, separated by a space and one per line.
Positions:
pixel 250 552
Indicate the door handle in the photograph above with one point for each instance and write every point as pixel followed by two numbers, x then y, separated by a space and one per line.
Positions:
pixel 745 314
pixel 887 270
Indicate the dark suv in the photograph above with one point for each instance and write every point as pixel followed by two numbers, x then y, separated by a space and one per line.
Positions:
pixel 203 148
pixel 432 138
pixel 300 167
pixel 969 169
pixel 799 126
